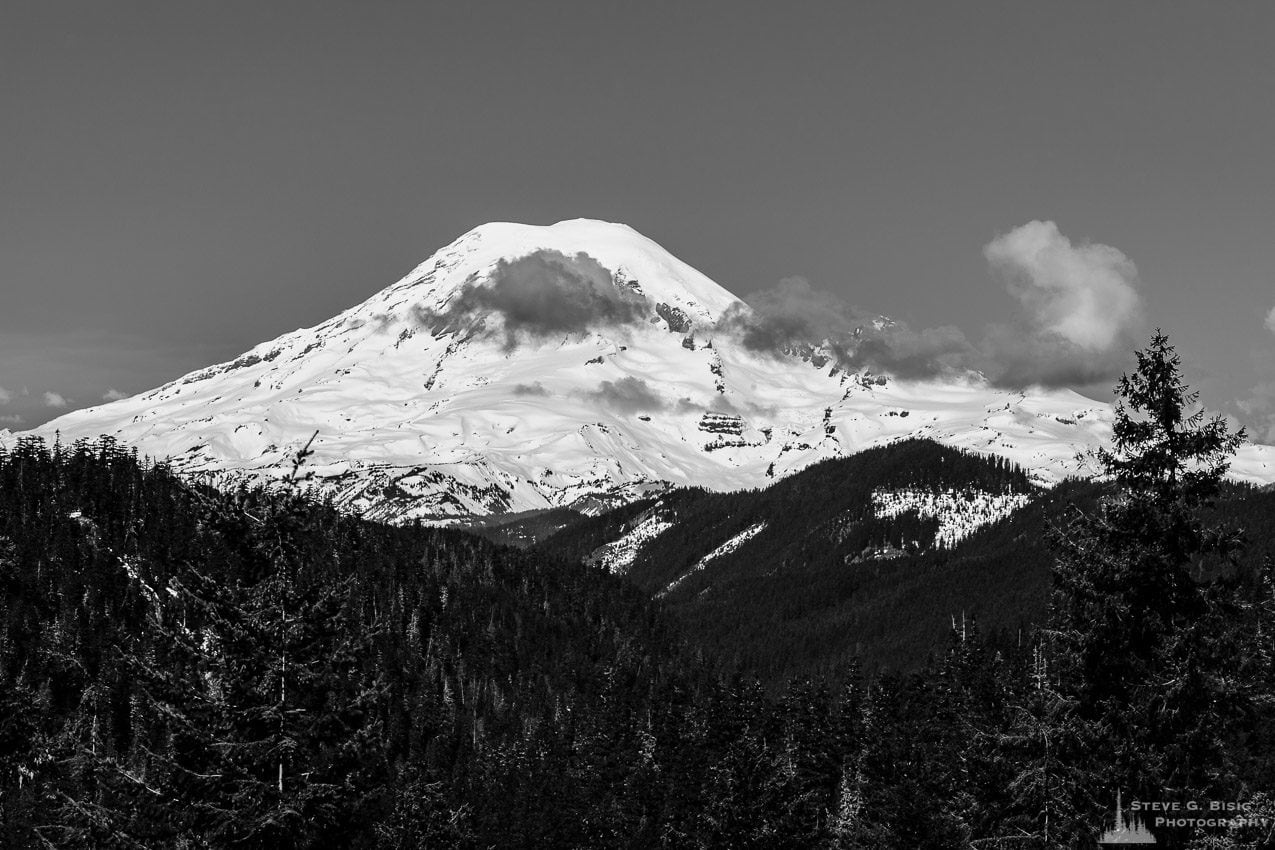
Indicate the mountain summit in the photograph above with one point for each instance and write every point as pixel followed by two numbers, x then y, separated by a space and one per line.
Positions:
pixel 577 364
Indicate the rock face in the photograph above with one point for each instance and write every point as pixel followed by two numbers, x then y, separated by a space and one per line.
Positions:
pixel 526 367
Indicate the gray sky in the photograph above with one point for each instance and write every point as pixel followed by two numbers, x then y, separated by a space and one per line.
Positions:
pixel 179 181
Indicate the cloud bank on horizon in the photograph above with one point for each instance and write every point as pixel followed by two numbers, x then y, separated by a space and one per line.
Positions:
pixel 8 419
pixel 25 399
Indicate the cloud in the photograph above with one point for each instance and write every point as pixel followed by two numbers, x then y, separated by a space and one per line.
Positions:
pixel 113 395
pixel 721 404
pixel 536 388
pixel 11 419
pixel 1259 406
pixel 1079 318
pixel 790 313
pixel 627 395
pixel 5 396
pixel 55 400
pixel 895 349
pixel 545 293
pixel 1015 358
pixel 1085 294
pixel 1259 409
pixel 794 317
pixel 1080 313
pixel 1270 320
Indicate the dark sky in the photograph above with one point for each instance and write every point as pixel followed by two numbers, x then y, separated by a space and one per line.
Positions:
pixel 179 181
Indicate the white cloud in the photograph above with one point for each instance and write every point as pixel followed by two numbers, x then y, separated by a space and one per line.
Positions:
pixel 1080 314
pixel 1085 294
pixel 11 419
pixel 113 395
pixel 55 400
pixel 1270 320
pixel 1260 409
pixel 5 396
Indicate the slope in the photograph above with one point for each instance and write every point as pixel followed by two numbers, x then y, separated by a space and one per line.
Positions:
pixel 874 556
pixel 577 365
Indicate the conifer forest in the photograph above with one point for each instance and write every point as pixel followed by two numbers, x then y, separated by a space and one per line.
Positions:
pixel 187 667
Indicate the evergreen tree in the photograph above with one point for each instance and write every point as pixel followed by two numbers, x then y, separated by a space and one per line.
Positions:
pixel 1039 744
pixel 1138 611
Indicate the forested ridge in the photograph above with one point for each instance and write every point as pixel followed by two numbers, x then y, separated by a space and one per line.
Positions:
pixel 797 598
pixel 186 668
pixel 790 601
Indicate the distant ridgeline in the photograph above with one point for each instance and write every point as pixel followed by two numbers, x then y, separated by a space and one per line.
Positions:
pixel 181 667
pixel 871 556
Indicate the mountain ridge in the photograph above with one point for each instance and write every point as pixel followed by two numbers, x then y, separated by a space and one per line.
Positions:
pixel 575 365
pixel 819 567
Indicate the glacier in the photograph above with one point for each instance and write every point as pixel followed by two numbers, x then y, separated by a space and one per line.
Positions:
pixel 426 411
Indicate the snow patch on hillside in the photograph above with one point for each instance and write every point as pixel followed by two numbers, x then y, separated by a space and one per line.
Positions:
pixel 618 556
pixel 960 512
pixel 725 549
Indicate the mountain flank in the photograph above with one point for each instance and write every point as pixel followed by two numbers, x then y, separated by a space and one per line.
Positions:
pixel 573 366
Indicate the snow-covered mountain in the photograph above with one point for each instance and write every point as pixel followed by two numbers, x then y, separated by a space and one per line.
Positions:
pixel 578 364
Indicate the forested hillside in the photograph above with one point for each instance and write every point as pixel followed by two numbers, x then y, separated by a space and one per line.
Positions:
pixel 258 670
pixel 182 668
pixel 826 574
pixel 796 578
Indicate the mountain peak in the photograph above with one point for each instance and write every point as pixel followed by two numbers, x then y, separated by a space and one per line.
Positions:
pixel 578 228
pixel 579 364
pixel 624 254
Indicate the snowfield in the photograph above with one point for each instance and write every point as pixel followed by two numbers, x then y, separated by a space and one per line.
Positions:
pixel 725 549
pixel 428 408
pixel 960 512
pixel 618 555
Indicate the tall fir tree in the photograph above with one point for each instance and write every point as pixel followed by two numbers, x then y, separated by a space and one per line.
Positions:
pixel 1140 600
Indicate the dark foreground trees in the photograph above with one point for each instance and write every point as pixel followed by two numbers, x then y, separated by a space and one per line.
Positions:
pixel 1159 645
pixel 183 668
pixel 1140 609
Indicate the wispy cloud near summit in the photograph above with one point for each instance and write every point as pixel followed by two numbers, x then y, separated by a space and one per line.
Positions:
pixel 542 294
